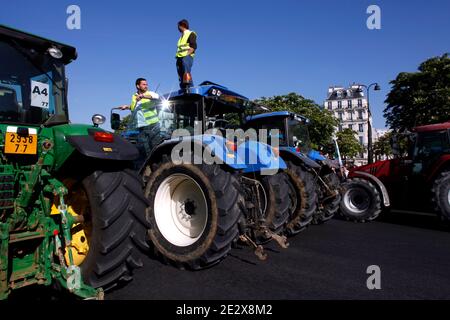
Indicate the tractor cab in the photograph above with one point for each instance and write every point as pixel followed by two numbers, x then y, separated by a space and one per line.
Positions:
pixel 293 128
pixel 32 83
pixel 208 106
pixel 420 158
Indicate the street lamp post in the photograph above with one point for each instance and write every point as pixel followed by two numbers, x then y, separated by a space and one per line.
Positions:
pixel 369 126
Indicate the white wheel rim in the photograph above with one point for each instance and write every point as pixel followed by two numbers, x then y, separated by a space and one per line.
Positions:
pixel 448 197
pixel 181 210
pixel 357 200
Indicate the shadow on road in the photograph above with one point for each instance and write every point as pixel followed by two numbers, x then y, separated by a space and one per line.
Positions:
pixel 431 222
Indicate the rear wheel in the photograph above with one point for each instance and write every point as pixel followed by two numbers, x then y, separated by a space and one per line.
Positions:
pixel 361 201
pixel 106 246
pixel 193 213
pixel 441 195
pixel 303 193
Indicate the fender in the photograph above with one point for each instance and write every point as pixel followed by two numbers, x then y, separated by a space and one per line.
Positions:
pixel 119 149
pixel 375 180
pixel 215 145
pixel 299 156
pixel 229 154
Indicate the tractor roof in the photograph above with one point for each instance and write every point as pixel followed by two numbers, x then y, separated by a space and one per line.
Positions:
pixel 277 114
pixel 206 89
pixel 38 43
pixel 433 127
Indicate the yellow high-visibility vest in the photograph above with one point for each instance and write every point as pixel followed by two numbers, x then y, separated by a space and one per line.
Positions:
pixel 183 45
pixel 147 113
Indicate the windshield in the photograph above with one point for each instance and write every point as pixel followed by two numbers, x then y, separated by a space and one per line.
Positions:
pixel 31 86
pixel 189 112
pixel 299 135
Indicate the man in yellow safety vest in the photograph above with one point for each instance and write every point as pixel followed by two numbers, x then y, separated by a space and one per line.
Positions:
pixel 186 47
pixel 144 117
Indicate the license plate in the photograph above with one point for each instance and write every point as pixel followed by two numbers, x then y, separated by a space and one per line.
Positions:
pixel 17 144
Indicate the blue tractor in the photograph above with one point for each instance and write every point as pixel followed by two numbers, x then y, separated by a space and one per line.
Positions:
pixel 208 191
pixel 315 178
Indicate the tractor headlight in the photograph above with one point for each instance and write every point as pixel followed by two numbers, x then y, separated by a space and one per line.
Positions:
pixel 98 119
pixel 55 52
pixel 165 105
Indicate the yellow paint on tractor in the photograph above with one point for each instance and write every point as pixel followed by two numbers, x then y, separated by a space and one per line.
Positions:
pixel 79 245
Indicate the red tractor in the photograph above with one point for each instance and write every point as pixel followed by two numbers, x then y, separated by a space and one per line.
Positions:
pixel 419 181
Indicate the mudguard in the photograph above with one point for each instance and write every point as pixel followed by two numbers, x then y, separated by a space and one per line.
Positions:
pixel 374 180
pixel 119 149
pixel 305 160
pixel 249 156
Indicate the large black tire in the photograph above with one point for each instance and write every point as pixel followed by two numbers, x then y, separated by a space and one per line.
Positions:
pixel 303 198
pixel 222 200
pixel 441 195
pixel 276 214
pixel 361 201
pixel 328 206
pixel 113 206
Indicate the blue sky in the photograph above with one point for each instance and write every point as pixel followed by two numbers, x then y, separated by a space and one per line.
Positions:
pixel 257 48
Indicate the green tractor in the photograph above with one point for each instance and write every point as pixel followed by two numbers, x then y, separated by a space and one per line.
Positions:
pixel 71 210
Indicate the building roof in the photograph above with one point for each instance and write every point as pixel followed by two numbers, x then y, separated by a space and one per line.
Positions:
pixel 346 93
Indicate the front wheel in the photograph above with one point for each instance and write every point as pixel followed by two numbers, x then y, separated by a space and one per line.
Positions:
pixel 361 201
pixel 193 213
pixel 303 198
pixel 328 203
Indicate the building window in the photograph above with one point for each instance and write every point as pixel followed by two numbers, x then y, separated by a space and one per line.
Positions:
pixel 340 127
pixel 360 114
pixel 350 126
pixel 361 127
pixel 361 140
pixel 340 115
pixel 329 105
pixel 349 103
pixel 350 115
pixel 359 103
pixel 339 104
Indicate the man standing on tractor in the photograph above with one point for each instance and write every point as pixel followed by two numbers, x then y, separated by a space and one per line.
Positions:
pixel 187 45
pixel 144 116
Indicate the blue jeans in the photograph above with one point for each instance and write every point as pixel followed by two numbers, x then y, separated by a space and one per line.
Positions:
pixel 184 65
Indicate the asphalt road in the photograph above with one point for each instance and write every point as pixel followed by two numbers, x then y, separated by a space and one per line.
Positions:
pixel 324 262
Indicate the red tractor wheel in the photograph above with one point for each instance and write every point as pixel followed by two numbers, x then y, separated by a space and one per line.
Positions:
pixel 361 201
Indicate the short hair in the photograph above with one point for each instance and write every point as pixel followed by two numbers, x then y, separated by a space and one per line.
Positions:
pixel 138 81
pixel 184 23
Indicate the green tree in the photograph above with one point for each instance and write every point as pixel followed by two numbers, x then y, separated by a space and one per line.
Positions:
pixel 419 98
pixel 383 147
pixel 322 121
pixel 349 146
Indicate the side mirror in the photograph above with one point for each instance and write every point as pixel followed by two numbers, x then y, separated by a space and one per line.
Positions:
pixel 115 121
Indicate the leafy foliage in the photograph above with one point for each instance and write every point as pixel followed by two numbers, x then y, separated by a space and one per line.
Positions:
pixel 322 121
pixel 420 98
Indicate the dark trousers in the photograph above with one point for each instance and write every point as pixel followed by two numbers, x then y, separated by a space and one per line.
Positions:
pixel 149 137
pixel 184 65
